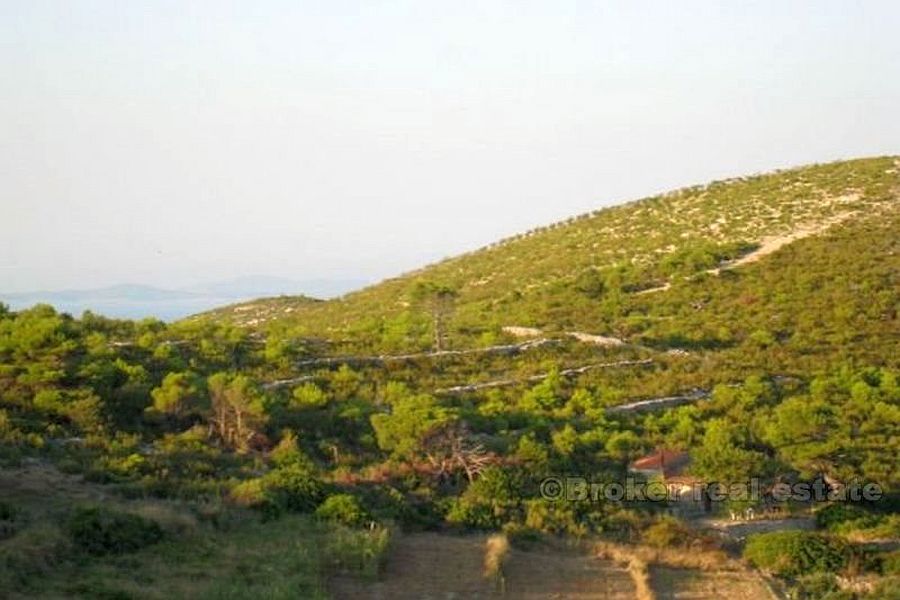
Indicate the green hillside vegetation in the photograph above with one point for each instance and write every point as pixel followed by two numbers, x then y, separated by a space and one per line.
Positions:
pixel 586 272
pixel 251 314
pixel 751 323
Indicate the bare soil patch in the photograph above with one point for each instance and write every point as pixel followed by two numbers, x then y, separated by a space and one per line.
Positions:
pixel 773 244
pixel 685 584
pixel 432 566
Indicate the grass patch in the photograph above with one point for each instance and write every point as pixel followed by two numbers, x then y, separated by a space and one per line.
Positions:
pixel 87 557
pixel 355 551
pixel 634 562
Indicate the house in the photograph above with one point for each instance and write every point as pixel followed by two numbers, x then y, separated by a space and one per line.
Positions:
pixel 670 467
pixel 661 464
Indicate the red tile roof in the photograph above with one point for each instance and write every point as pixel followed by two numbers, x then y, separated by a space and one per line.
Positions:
pixel 667 462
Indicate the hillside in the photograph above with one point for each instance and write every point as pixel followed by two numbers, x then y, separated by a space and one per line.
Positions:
pixel 610 271
pixel 258 312
pixel 786 273
pixel 290 447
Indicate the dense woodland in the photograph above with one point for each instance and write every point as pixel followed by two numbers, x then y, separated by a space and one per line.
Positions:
pixel 413 405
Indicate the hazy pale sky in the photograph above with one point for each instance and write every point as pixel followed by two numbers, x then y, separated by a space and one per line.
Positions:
pixel 172 142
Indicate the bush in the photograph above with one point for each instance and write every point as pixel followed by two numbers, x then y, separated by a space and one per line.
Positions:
pixel 355 551
pixel 490 501
pixel 288 452
pixel 344 509
pixel 890 563
pixel 100 531
pixel 249 494
pixel 521 536
pixel 548 516
pixel 623 525
pixel 816 586
pixel 793 553
pixel 291 488
pixel 666 533
pixel 295 488
pixel 835 517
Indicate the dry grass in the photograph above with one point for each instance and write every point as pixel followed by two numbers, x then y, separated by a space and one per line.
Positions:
pixel 640 575
pixel 496 551
pixel 440 565
pixel 635 565
pixel 34 553
pixel 697 557
pixel 359 552
pixel 700 570
pixel 678 584
pixel 171 516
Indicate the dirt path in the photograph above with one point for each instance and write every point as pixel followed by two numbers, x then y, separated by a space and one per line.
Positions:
pixel 773 244
pixel 770 245
pixel 432 566
pixel 739 530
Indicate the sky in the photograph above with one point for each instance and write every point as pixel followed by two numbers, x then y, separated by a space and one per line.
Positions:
pixel 174 142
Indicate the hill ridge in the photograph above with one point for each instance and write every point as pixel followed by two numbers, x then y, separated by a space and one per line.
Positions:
pixel 638 244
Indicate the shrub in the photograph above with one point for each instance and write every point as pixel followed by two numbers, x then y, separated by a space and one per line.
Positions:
pixel 292 488
pixel 667 532
pixel 890 563
pixel 792 553
pixel 126 466
pixel 344 509
pixel 288 452
pixel 250 493
pixel 101 531
pixel 623 525
pixel 295 488
pixel 591 283
pixel 521 536
pixel 356 551
pixel 816 586
pixel 308 395
pixel 554 517
pixel 835 516
pixel 887 527
pixel 490 501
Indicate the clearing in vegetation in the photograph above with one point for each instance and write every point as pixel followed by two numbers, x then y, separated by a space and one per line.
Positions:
pixel 423 566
